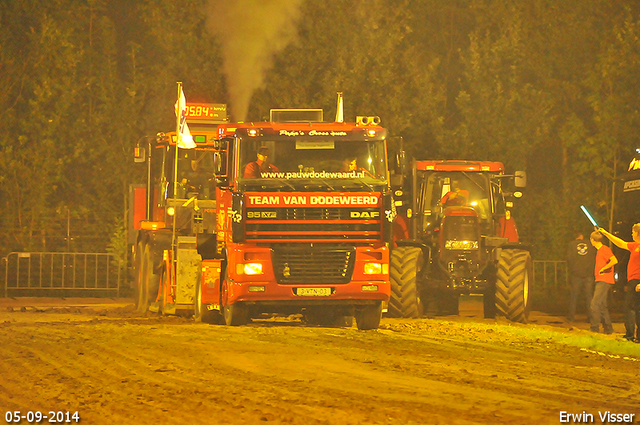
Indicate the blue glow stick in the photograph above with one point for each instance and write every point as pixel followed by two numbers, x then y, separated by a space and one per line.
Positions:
pixel 584 210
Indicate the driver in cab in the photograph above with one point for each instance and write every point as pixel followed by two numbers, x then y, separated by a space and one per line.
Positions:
pixel 254 169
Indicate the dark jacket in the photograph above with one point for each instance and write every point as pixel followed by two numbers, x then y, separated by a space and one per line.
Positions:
pixel 581 258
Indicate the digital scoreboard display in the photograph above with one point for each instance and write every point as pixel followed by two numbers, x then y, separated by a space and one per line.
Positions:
pixel 206 111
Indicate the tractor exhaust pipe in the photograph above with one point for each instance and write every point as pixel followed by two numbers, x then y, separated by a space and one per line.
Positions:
pixel 340 108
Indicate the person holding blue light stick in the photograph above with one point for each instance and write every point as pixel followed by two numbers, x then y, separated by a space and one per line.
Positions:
pixel 632 290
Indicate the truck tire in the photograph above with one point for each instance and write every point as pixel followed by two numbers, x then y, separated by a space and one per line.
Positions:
pixel 368 317
pixel 234 314
pixel 200 311
pixel 512 284
pixel 406 263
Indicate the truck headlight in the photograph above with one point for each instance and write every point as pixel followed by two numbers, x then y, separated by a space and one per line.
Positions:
pixel 249 268
pixel 372 268
pixel 461 244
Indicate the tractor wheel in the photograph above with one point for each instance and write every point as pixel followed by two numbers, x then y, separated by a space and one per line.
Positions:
pixel 153 278
pixel 200 311
pixel 163 291
pixel 512 285
pixel 406 263
pixel 368 317
pixel 141 283
pixel 147 281
pixel 233 314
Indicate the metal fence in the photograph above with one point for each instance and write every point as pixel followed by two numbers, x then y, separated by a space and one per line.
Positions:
pixel 549 276
pixel 61 274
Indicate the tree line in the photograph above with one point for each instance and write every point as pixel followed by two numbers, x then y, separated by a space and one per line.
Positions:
pixel 548 86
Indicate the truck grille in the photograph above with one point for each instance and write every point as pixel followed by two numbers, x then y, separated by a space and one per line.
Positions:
pixel 313 224
pixel 313 265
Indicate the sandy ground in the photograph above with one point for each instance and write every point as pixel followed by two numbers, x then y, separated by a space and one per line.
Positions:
pixel 99 358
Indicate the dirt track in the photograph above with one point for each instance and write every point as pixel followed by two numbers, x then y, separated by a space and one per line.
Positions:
pixel 112 366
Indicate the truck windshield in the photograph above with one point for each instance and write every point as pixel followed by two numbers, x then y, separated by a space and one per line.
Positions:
pixel 325 161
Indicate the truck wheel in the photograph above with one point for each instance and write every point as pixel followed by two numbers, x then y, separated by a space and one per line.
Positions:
pixel 512 285
pixel 406 263
pixel 200 311
pixel 368 317
pixel 234 314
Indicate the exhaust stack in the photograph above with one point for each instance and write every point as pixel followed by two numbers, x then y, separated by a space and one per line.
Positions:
pixel 340 108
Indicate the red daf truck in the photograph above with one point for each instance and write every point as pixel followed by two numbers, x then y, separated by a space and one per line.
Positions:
pixel 288 216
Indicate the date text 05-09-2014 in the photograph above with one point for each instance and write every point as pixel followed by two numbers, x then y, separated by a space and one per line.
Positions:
pixel 52 417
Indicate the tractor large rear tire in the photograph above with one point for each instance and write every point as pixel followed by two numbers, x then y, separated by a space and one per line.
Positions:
pixel 140 283
pixel 406 263
pixel 147 281
pixel 512 284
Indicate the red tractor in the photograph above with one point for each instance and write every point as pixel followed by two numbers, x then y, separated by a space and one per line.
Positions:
pixel 455 235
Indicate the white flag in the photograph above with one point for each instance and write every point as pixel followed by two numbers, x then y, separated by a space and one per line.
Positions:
pixel 185 140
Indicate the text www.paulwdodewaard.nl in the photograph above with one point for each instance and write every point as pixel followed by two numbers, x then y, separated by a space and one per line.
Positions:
pixel 314 175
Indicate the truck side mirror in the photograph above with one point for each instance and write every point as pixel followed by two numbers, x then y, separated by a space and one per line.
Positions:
pixel 139 154
pixel 220 167
pixel 520 178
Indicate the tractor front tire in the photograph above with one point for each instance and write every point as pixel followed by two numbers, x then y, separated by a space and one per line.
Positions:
pixel 406 263
pixel 512 284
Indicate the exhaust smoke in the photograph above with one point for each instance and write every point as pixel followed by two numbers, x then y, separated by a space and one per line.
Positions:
pixel 250 32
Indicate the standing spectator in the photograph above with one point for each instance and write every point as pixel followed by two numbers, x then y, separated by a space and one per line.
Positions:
pixel 605 260
pixel 632 290
pixel 581 258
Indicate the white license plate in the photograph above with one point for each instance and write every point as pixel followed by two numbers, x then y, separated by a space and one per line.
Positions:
pixel 313 292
